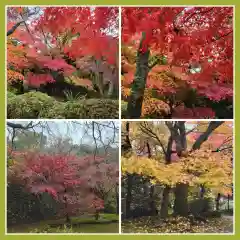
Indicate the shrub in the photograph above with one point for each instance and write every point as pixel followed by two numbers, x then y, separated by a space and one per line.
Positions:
pixel 124 109
pixel 10 94
pixel 28 105
pixel 40 105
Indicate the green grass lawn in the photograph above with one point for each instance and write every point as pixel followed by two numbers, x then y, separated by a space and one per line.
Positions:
pixel 108 223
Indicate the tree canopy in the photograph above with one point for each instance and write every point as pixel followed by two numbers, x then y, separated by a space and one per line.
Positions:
pixel 183 56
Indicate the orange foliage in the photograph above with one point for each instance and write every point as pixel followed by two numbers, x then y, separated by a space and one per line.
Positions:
pixel 13 76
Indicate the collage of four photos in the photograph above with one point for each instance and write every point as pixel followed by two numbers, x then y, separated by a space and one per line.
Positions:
pixel 120 119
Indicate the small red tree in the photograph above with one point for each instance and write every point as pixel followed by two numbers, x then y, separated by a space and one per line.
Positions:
pixel 70 180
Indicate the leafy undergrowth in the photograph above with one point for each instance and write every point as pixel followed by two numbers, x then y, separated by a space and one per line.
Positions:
pixel 107 223
pixel 178 225
pixel 39 105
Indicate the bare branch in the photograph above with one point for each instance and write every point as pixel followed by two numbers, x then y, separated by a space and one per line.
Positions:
pixel 13 29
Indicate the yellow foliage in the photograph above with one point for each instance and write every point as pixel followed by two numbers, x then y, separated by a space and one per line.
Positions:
pixel 214 170
pixel 129 53
pixel 152 105
pixel 81 82
pixel 125 92
pixel 13 76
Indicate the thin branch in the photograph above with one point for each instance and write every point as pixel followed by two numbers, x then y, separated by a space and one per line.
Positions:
pixel 222 149
pixel 147 130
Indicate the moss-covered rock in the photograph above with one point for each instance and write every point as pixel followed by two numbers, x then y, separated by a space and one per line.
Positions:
pixel 40 105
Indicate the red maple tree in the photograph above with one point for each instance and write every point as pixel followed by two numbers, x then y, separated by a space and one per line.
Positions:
pixel 178 48
pixel 46 40
pixel 72 181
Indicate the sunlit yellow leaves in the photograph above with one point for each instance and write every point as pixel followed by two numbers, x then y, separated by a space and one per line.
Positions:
pixel 176 225
pixel 128 53
pixel 153 106
pixel 200 167
pixel 126 92
pixel 81 82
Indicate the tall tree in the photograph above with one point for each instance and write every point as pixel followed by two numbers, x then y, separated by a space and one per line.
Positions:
pixel 180 164
pixel 178 49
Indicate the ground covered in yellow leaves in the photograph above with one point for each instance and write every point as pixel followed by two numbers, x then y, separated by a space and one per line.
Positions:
pixel 222 224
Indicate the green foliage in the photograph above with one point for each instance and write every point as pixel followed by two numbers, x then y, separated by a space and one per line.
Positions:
pixel 40 105
pixel 71 98
pixel 27 140
pixel 124 109
pixel 10 94
pixel 110 206
pixel 28 105
pixel 92 108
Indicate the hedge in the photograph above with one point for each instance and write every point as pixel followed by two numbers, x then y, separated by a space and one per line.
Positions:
pixel 40 105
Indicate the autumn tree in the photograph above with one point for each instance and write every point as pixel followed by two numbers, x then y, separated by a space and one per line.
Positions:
pixel 55 174
pixel 78 184
pixel 53 44
pixel 183 56
pixel 191 153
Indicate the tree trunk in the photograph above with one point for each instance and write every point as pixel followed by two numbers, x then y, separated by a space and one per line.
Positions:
pixel 203 137
pixel 68 220
pixel 165 202
pixel 202 191
pixel 126 149
pixel 152 202
pixel 97 215
pixel 181 200
pixel 135 101
pixel 218 202
pixel 129 195
pixel 151 194
pixel 228 202
pixel 117 200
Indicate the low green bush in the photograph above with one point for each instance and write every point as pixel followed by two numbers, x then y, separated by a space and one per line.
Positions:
pixel 40 105
pixel 124 109
pixel 28 105
pixel 10 94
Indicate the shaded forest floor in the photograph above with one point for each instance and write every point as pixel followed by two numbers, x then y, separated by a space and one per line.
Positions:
pixel 108 223
pixel 223 224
